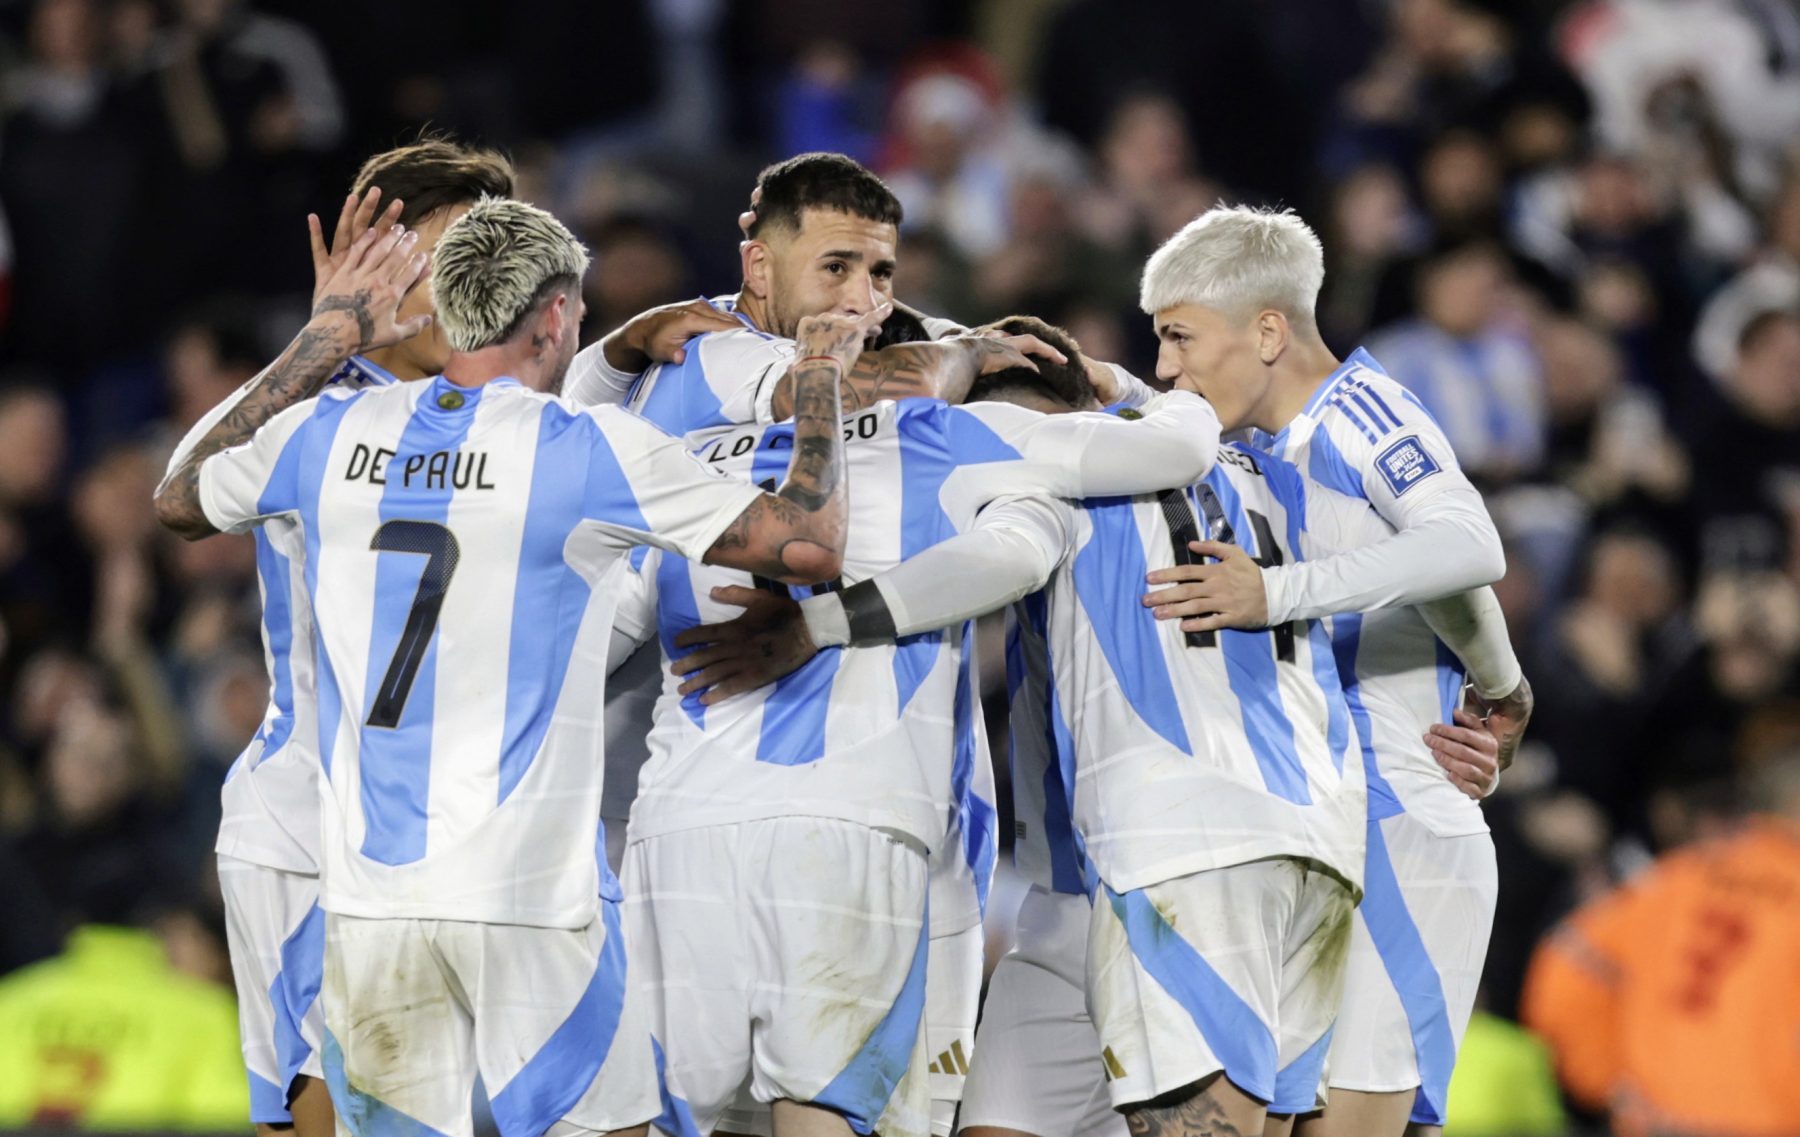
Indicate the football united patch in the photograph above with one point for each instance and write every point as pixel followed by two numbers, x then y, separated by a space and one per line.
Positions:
pixel 1405 464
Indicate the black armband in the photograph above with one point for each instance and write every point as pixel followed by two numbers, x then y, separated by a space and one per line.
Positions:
pixel 866 609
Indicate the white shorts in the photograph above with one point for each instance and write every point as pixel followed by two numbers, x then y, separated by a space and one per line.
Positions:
pixel 1038 1066
pixel 788 954
pixel 276 934
pixel 952 1000
pixel 548 1017
pixel 1238 969
pixel 1416 954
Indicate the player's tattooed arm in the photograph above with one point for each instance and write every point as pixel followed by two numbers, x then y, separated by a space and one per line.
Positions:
pixel 1199 1115
pixel 355 311
pixel 796 534
pixel 943 369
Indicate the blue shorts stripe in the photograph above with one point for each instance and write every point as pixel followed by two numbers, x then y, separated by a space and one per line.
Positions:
pixel 268 1101
pixel 1415 978
pixel 292 994
pixel 555 1078
pixel 1297 1085
pixel 365 1115
pixel 862 1088
pixel 676 1119
pixel 1239 1039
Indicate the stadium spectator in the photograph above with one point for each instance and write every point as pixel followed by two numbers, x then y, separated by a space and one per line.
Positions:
pixel 1469 362
pixel 1670 1002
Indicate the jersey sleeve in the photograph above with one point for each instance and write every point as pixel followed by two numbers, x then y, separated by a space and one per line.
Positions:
pixel 1010 551
pixel 249 483
pixel 727 379
pixel 1383 447
pixel 593 382
pixel 647 488
pixel 1088 454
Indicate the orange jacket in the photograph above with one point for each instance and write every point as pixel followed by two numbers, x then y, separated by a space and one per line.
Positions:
pixel 1674 1001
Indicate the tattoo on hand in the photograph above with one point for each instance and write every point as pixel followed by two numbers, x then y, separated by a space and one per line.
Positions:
pixel 357 304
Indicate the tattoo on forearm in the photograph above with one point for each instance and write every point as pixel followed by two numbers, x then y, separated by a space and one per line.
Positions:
pixel 357 304
pixel 296 375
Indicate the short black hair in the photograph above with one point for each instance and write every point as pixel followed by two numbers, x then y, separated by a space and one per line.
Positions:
pixel 902 326
pixel 821 181
pixel 435 173
pixel 1067 383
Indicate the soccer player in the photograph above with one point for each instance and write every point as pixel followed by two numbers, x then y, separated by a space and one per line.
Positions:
pixel 269 826
pixel 1232 298
pixel 823 239
pixel 461 536
pixel 795 824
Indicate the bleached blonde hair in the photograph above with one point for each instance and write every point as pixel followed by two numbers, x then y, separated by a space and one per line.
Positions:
pixel 1238 259
pixel 495 265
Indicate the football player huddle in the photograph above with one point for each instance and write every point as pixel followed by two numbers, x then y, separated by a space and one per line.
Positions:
pixel 713 579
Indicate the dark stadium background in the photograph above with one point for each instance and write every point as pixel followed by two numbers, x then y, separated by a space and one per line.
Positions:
pixel 1563 224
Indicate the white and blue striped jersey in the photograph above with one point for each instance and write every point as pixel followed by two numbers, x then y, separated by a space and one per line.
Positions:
pixel 727 379
pixel 1366 436
pixel 869 734
pixel 269 804
pixel 1047 850
pixel 1192 751
pixel 461 550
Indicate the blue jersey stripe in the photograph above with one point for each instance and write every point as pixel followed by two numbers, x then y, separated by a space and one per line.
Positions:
pixel 676 612
pixel 1358 395
pixel 977 817
pixel 1069 870
pixel 1250 670
pixel 681 400
pixel 551 597
pixel 1109 582
pixel 1342 405
pixel 1346 637
pixel 553 1080
pixel 315 441
pixel 1387 412
pixel 793 722
pixel 277 574
pixel 1329 468
pixel 395 762
pixel 1450 676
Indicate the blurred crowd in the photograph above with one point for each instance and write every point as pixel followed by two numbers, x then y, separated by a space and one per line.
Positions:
pixel 1573 229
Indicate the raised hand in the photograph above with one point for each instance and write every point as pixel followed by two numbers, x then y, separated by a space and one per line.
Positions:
pixel 354 219
pixel 840 337
pixel 377 271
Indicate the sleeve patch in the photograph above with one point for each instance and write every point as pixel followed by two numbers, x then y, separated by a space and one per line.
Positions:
pixel 1405 464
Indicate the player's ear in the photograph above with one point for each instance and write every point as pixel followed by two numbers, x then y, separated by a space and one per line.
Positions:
pixel 758 260
pixel 1272 335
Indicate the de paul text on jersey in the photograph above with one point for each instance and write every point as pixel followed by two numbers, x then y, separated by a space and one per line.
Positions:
pixel 438 470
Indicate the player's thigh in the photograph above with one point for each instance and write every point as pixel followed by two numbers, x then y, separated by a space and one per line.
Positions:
pixel 684 916
pixel 1312 989
pixel 399 1038
pixel 952 1002
pixel 561 1033
pixel 276 935
pixel 1037 1066
pixel 840 951
pixel 1419 940
pixel 1184 979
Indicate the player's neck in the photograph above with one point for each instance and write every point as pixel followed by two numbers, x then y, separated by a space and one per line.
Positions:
pixel 501 361
pixel 756 310
pixel 391 361
pixel 1298 374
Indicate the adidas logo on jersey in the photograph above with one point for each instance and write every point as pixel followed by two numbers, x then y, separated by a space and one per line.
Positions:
pixel 1114 1068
